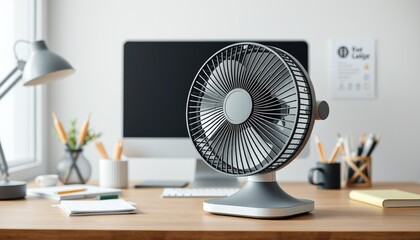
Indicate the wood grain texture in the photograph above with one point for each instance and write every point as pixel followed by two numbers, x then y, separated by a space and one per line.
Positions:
pixel 335 217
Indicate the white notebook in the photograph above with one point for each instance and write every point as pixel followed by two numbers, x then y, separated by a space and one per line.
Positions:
pixel 96 207
pixel 89 192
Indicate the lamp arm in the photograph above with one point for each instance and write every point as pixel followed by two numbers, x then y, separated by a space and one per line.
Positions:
pixel 8 76
pixel 20 66
pixel 10 87
pixel 4 169
pixel 15 46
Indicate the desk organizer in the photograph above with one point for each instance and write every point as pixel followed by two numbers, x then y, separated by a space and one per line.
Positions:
pixel 113 173
pixel 357 171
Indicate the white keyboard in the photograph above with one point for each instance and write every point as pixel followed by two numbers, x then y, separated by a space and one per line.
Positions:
pixel 197 192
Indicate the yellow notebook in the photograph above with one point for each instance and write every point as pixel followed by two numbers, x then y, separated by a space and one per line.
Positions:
pixel 386 198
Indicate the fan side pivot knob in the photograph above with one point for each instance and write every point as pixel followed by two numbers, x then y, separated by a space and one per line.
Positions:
pixel 323 110
pixel 237 106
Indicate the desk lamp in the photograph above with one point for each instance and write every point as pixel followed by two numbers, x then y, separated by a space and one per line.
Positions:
pixel 42 67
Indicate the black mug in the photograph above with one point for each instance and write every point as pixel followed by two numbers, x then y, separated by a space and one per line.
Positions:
pixel 328 175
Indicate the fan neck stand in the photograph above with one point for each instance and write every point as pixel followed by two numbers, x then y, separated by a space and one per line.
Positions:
pixel 207 177
pixel 260 197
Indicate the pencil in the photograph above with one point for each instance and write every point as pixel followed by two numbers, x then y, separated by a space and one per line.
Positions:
pixel 320 149
pixel 336 151
pixel 83 131
pixel 71 191
pixel 101 149
pixel 118 150
pixel 59 129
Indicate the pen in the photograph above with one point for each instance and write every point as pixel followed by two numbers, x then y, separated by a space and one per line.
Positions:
pixel 375 141
pixel 71 191
pixel 346 147
pixel 118 150
pixel 368 145
pixel 361 144
pixel 320 149
pixel 107 197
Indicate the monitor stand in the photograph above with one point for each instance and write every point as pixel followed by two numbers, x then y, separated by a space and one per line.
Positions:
pixel 208 177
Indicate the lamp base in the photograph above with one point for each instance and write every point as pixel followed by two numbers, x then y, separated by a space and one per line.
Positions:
pixel 12 190
pixel 259 199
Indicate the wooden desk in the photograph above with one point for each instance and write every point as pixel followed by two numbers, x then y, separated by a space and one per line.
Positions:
pixel 335 217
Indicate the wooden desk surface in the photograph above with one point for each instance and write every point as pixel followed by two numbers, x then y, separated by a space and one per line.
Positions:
pixel 335 217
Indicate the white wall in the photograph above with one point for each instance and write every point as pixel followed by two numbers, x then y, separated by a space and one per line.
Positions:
pixel 90 34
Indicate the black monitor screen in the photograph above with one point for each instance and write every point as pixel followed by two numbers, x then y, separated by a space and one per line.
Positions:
pixel 158 76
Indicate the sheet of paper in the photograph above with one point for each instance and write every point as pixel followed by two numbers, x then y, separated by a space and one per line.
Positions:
pixel 90 191
pixel 353 68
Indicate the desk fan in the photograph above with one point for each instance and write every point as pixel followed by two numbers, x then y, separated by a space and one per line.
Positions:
pixel 250 111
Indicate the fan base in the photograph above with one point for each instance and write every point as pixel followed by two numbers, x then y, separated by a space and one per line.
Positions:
pixel 259 200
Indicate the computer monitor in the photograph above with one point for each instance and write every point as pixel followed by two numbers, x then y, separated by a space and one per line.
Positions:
pixel 157 79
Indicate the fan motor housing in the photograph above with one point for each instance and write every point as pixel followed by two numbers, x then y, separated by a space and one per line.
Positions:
pixel 237 106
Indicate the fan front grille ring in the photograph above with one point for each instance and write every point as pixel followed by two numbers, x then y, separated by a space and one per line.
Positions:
pixel 281 109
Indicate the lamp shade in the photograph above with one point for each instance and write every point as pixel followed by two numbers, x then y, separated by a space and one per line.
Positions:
pixel 44 66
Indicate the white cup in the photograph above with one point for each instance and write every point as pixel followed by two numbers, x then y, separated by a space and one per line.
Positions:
pixel 46 180
pixel 113 173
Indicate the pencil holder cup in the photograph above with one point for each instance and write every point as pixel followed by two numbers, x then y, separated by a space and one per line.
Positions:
pixel 357 171
pixel 328 175
pixel 113 173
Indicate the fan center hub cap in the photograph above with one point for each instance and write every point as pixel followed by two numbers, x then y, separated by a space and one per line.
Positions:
pixel 237 106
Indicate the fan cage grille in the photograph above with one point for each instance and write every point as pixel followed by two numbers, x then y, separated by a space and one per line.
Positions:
pixel 304 116
pixel 201 123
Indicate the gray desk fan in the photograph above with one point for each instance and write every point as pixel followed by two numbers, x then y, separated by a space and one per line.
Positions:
pixel 250 111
